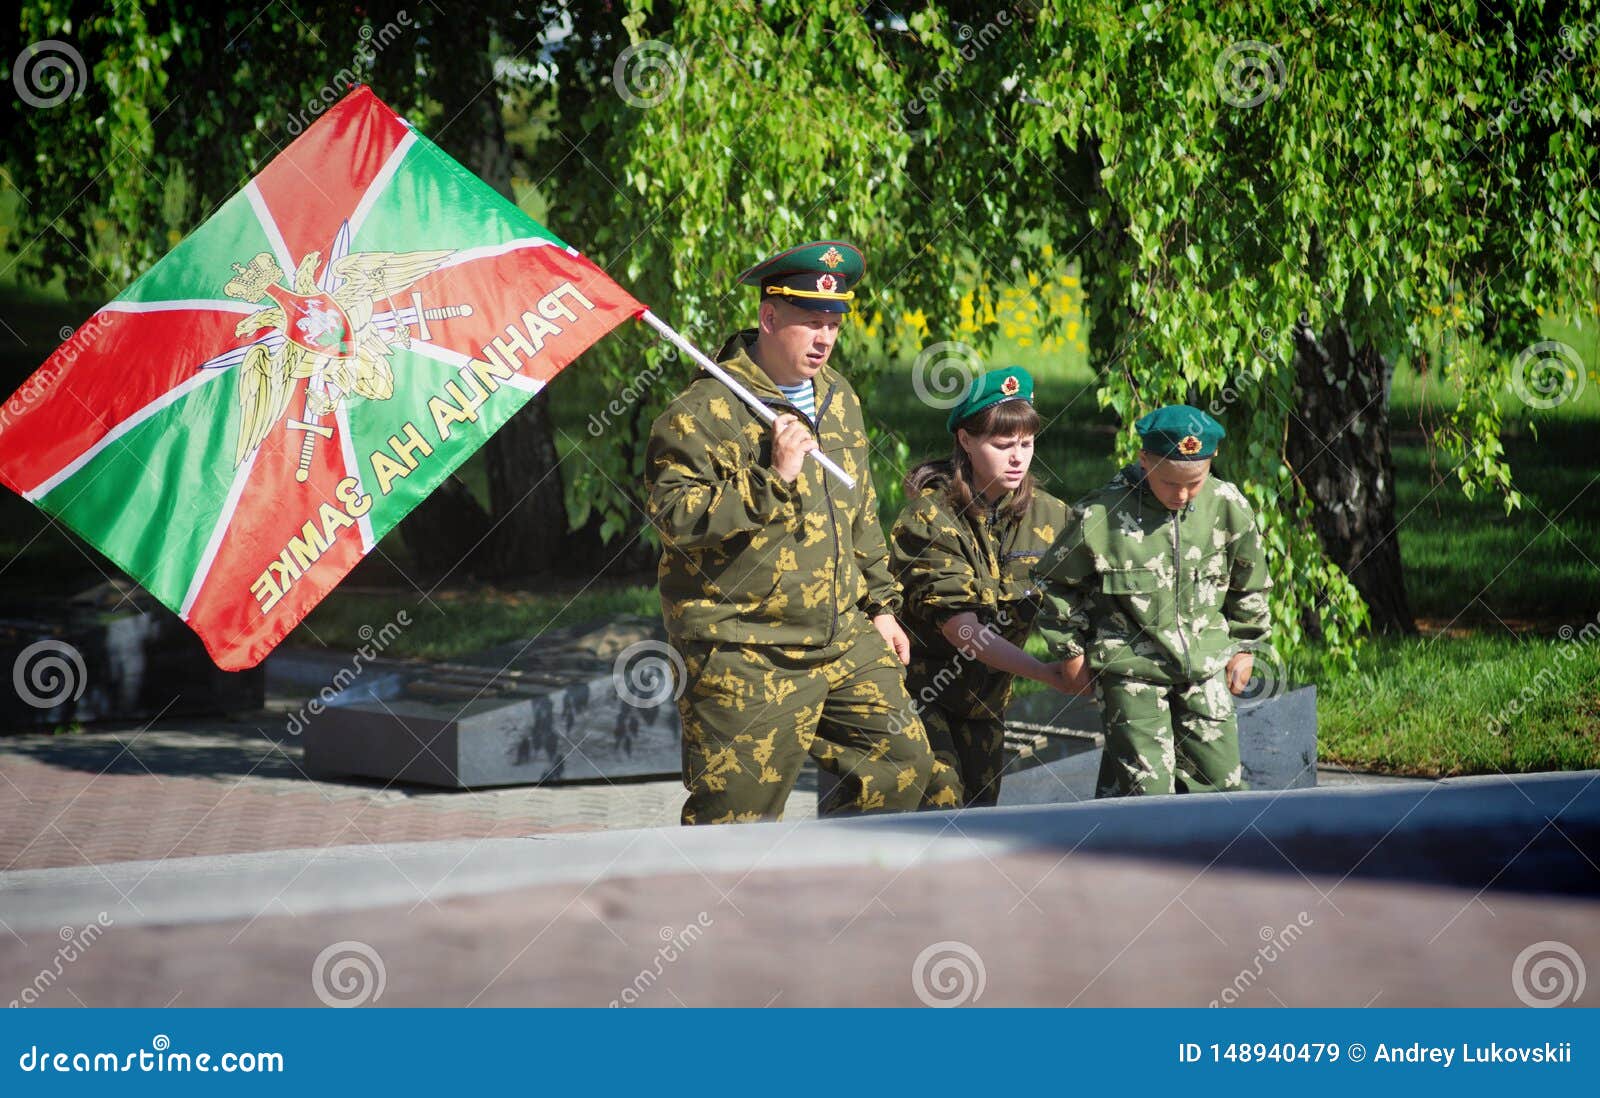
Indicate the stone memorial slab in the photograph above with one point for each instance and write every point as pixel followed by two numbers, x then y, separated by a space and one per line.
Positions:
pixel 591 704
pixel 595 704
pixel 1277 745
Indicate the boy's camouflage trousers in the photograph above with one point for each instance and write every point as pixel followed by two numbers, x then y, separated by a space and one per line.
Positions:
pixel 1168 739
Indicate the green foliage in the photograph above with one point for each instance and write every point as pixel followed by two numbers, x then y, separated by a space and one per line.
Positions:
pixel 1360 167
pixel 183 102
pixel 723 133
pixel 1219 173
pixel 1216 189
pixel 1220 176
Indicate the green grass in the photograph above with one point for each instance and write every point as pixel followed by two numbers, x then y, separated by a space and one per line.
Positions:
pixel 1481 704
pixel 453 622
pixel 1470 561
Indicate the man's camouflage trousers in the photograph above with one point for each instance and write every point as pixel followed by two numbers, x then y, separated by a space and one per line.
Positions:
pixel 752 713
pixel 1168 739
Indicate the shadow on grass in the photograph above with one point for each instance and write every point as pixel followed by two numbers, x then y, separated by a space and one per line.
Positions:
pixel 1469 561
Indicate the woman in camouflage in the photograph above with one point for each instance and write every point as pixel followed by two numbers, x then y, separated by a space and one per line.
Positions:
pixel 972 527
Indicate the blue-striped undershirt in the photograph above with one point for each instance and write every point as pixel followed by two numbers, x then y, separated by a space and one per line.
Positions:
pixel 803 396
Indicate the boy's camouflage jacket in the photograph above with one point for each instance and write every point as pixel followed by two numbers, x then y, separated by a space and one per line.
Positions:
pixel 1152 594
pixel 746 558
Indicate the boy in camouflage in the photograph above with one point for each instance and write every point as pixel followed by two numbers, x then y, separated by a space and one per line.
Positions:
pixel 775 582
pixel 1158 587
pixel 972 527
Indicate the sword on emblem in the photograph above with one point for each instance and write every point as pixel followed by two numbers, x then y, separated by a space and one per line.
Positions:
pixel 310 423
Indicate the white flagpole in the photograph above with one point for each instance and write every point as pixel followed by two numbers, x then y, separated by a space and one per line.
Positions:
pixel 745 395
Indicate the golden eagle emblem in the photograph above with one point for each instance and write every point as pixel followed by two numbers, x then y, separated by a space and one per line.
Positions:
pixel 328 329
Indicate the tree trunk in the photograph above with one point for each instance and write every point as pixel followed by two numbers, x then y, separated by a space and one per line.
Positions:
pixel 1338 446
pixel 525 495
pixel 445 534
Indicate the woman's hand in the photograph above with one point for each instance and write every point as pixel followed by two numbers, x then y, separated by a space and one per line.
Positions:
pixel 1073 677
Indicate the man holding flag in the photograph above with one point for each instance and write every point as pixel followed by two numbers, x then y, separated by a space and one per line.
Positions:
pixel 249 418
pixel 775 584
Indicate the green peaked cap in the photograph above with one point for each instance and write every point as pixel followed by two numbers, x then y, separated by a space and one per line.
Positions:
pixel 819 276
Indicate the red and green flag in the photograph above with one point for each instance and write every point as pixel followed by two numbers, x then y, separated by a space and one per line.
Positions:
pixel 242 424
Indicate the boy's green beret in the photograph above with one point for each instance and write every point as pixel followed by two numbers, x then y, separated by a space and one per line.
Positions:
pixel 1179 432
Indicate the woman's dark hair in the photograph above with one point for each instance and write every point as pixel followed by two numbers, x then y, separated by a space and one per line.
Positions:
pixel 1006 419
